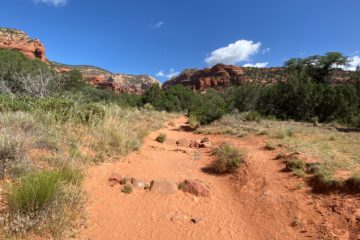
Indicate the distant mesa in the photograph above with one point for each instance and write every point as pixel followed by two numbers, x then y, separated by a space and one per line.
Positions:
pixel 222 76
pixel 100 78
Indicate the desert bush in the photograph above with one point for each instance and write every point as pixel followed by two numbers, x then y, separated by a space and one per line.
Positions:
pixel 323 181
pixel 251 116
pixel 228 158
pixel 127 189
pixel 353 183
pixel 12 150
pixel 270 146
pixel 161 138
pixel 297 166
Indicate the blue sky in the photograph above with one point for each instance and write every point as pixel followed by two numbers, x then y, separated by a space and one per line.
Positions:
pixel 163 37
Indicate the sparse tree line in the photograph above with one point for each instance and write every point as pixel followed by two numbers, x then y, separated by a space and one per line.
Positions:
pixel 307 95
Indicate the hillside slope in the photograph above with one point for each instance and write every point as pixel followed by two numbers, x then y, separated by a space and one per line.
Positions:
pixel 33 48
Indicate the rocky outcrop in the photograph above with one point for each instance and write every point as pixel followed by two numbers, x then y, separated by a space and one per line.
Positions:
pixel 220 76
pixel 98 77
pixel 20 41
pixel 120 83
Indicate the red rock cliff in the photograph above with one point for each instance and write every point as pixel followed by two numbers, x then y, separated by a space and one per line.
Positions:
pixel 19 40
pixel 222 75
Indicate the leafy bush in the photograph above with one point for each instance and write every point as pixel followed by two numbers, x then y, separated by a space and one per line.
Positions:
pixel 161 138
pixel 228 158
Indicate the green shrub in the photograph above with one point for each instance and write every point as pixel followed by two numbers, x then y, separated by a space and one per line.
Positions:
pixel 161 138
pixel 228 159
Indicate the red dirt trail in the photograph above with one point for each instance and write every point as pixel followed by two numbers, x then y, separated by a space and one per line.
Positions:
pixel 259 202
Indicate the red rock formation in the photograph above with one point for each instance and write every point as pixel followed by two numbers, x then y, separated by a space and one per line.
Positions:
pixel 226 75
pixel 34 49
pixel 20 41
pixel 221 75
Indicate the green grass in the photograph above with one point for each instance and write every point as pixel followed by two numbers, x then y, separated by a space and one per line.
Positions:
pixel 36 190
pixel 228 159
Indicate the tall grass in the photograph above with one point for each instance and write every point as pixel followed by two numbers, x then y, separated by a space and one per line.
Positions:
pixel 36 190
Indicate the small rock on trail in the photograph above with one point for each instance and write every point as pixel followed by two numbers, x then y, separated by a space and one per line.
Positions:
pixel 183 143
pixel 165 187
pixel 196 188
pixel 114 179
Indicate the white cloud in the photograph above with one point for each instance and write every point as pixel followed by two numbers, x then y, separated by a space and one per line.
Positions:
pixel 56 3
pixel 257 65
pixel 157 25
pixel 353 63
pixel 170 74
pixel 233 53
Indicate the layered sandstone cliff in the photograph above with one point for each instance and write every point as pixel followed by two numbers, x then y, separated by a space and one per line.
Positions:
pixel 221 75
pixel 34 49
pixel 20 41
pixel 120 83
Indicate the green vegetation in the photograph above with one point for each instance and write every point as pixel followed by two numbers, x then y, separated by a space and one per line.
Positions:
pixel 228 159
pixel 52 126
pixel 161 138
pixel 57 123
pixel 35 190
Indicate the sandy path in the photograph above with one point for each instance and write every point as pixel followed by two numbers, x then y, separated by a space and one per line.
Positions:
pixel 262 207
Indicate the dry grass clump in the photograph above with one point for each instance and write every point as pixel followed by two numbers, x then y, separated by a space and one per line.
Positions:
pixel 228 159
pixel 161 138
pixel 123 130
